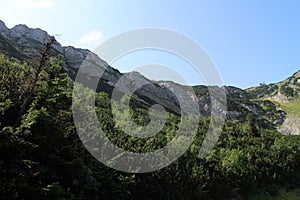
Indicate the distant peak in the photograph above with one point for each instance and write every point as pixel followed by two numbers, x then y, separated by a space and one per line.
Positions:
pixel 67 48
pixel 3 26
pixel 20 26
pixel 21 31
pixel 2 23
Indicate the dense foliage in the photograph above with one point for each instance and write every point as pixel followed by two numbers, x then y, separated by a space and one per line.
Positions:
pixel 41 156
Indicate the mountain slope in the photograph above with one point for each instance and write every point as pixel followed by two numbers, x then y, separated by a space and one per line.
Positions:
pixel 44 158
pixel 267 103
pixel 285 95
pixel 283 91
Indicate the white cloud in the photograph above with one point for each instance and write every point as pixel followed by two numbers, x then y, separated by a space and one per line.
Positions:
pixel 34 4
pixel 90 39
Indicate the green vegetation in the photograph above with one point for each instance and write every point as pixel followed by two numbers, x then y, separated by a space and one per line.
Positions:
pixel 292 194
pixel 42 156
pixel 289 88
pixel 262 91
pixel 292 107
pixel 287 91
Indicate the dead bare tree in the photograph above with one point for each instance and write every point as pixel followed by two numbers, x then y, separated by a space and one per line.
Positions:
pixel 45 55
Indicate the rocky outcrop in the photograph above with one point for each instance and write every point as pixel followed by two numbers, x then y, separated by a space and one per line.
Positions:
pixel 27 41
pixel 291 125
pixel 4 31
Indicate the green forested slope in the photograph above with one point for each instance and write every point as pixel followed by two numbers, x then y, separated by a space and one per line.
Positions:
pixel 41 156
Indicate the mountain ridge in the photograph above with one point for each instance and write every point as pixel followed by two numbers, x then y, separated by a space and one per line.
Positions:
pixel 265 102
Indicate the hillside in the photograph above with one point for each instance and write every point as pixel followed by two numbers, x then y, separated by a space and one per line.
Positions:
pixel 285 96
pixel 23 43
pixel 46 155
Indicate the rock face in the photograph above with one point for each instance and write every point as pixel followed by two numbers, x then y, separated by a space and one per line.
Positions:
pixel 22 31
pixel 25 43
pixel 4 31
pixel 291 125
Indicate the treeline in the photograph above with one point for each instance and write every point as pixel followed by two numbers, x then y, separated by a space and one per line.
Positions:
pixel 42 157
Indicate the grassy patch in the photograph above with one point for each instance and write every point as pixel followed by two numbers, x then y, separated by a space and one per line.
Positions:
pixel 292 107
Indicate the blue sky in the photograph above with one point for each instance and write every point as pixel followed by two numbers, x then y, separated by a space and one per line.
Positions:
pixel 249 41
